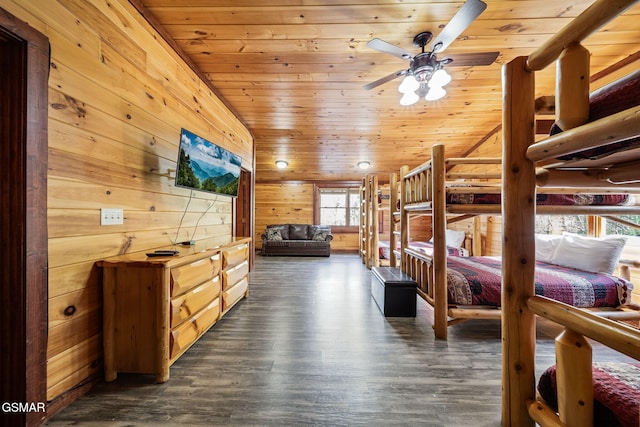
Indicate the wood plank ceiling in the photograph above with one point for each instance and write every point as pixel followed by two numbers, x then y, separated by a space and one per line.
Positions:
pixel 294 70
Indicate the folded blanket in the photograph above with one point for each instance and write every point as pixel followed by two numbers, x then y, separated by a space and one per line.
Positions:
pixel 616 393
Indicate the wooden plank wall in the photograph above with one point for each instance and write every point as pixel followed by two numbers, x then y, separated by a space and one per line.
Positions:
pixel 118 98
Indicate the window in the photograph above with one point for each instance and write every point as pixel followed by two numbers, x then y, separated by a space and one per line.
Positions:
pixel 614 227
pixel 557 224
pixel 339 207
pixel 579 224
pixel 620 228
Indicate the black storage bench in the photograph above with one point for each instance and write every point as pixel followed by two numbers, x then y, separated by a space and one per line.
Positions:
pixel 393 291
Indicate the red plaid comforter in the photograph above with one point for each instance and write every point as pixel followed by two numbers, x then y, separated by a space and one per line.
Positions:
pixel 384 249
pixel 616 392
pixel 477 281
pixel 543 199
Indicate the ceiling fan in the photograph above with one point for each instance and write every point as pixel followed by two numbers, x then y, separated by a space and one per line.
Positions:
pixel 426 75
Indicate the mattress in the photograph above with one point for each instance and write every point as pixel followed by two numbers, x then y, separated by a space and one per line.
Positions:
pixel 384 249
pixel 477 281
pixel 610 99
pixel 543 199
pixel 616 392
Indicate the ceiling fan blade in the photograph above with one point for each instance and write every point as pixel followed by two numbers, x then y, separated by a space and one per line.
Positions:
pixel 460 22
pixel 470 59
pixel 385 79
pixel 386 47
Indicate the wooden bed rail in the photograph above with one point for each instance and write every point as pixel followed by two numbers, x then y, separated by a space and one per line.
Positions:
pixel 473 175
pixel 418 170
pixel 454 161
pixel 615 335
pixel 419 268
pixel 418 182
pixel 574 360
pixel 418 185
pixel 595 16
pixel 598 180
pixel 614 128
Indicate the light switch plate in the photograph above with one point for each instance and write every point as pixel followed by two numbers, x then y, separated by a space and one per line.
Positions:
pixel 111 216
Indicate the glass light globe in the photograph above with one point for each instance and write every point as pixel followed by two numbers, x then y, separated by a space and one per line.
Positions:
pixel 409 84
pixel 435 93
pixel 409 98
pixel 439 78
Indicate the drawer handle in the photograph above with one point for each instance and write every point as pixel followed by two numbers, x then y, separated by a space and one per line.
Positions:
pixel 70 311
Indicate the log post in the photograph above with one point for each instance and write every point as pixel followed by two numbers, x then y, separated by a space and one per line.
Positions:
pixel 393 202
pixel 518 245
pixel 375 231
pixel 404 218
pixel 574 379
pixel 572 87
pixel 439 225
pixel 367 222
pixel 476 249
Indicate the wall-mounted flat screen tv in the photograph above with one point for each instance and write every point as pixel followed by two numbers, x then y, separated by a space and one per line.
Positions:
pixel 205 166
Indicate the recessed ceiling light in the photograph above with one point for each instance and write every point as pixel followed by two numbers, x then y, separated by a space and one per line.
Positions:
pixel 281 164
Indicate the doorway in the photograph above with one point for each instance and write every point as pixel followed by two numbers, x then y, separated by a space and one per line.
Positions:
pixel 24 67
pixel 244 207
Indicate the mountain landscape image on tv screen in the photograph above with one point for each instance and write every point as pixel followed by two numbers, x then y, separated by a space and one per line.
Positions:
pixel 203 165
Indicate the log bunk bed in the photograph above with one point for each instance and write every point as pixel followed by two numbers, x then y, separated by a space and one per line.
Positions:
pixel 527 163
pixel 414 198
pixel 368 231
pixel 469 288
pixel 373 251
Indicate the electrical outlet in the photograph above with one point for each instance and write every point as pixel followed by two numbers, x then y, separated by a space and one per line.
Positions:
pixel 110 216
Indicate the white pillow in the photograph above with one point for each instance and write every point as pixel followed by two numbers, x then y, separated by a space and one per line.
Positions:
pixel 454 238
pixel 546 245
pixel 589 253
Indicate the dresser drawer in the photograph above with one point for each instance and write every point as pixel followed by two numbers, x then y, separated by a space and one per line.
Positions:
pixel 186 333
pixel 187 276
pixel 183 306
pixel 234 274
pixel 234 293
pixel 234 256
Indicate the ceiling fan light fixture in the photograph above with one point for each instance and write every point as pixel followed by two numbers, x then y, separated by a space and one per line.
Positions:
pixel 409 98
pixel 409 84
pixel 281 164
pixel 440 78
pixel 435 93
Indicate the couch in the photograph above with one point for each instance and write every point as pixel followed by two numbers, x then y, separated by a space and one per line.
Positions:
pixel 297 239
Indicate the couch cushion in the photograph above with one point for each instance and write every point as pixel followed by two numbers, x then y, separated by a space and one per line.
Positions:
pixel 319 232
pixel 298 231
pixel 284 230
pixel 300 244
pixel 274 233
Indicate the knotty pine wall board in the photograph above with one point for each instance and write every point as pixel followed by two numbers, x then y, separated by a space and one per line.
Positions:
pixel 118 98
pixel 65 370
pixel 72 277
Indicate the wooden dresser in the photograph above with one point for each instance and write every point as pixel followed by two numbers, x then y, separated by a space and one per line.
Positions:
pixel 155 308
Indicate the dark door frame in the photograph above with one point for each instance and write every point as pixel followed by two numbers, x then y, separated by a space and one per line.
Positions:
pixel 24 74
pixel 243 221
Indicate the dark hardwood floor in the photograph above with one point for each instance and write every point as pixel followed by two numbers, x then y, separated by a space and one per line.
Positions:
pixel 310 347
